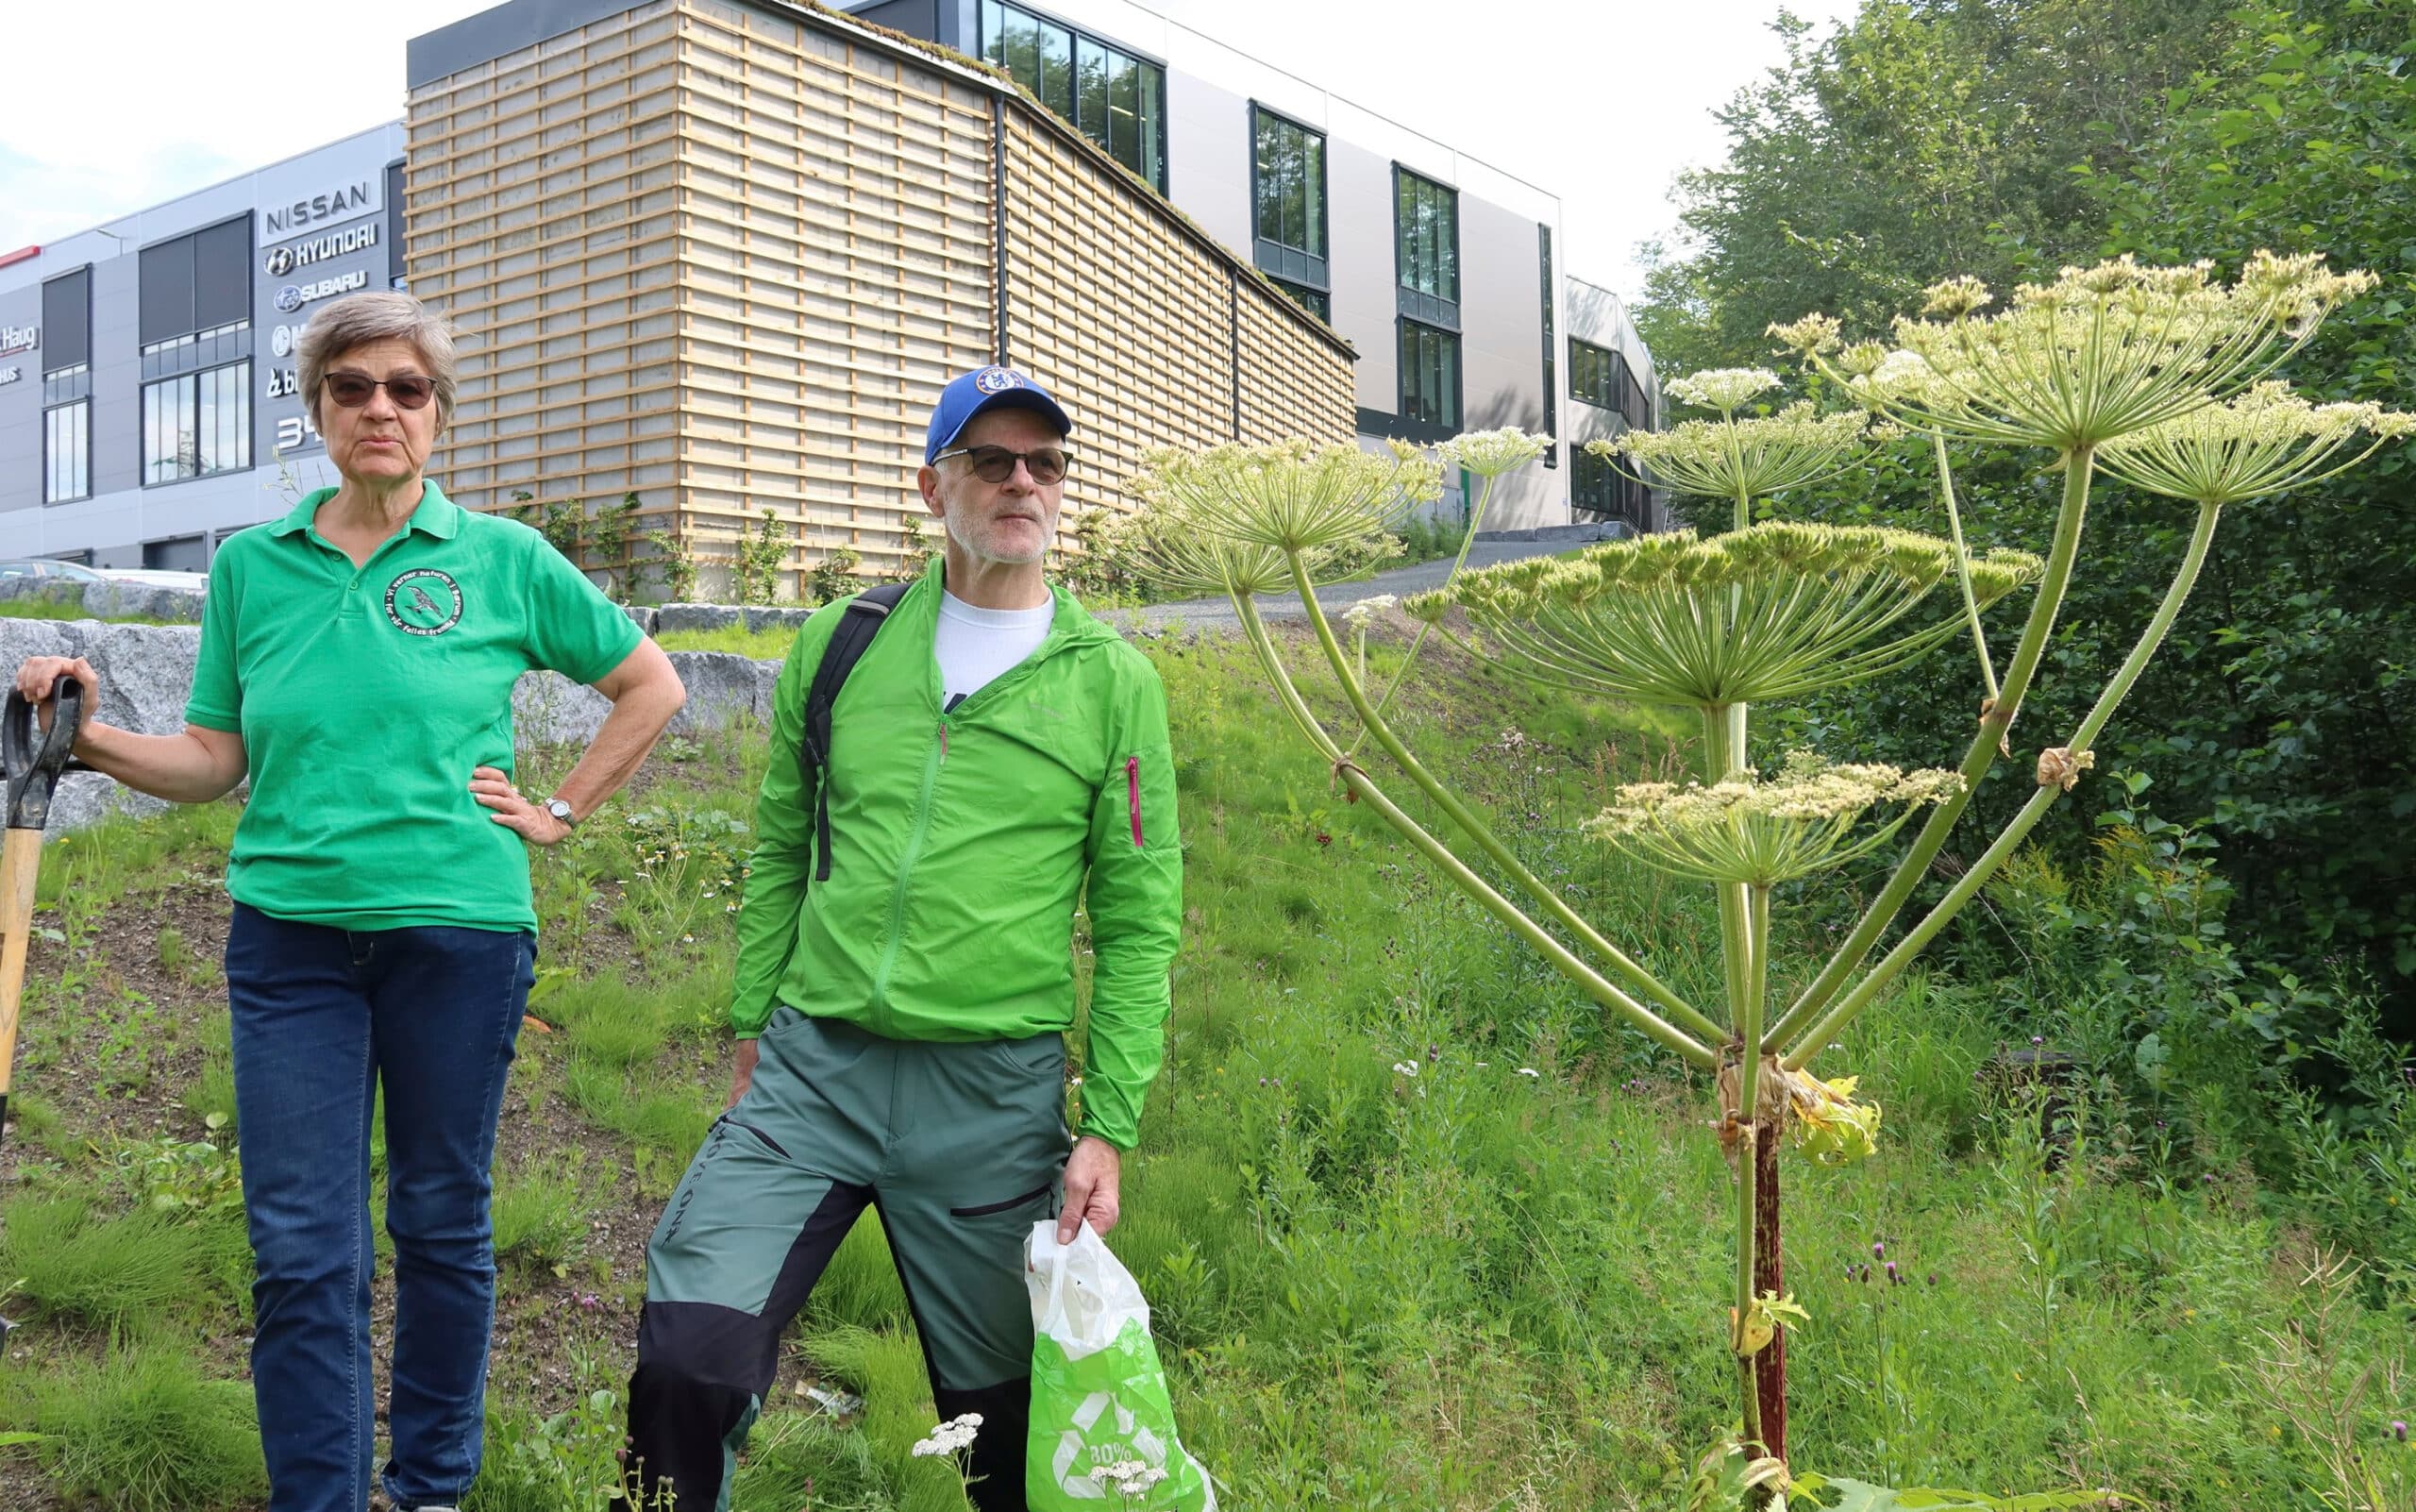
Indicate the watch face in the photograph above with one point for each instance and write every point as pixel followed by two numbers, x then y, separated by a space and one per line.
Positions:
pixel 558 809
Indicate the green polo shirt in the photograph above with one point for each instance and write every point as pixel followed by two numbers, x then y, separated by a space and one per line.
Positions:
pixel 365 696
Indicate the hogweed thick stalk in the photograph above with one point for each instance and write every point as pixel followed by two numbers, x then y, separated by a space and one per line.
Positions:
pixel 2158 377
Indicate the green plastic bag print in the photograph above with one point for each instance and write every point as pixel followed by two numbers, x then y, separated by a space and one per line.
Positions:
pixel 1103 1430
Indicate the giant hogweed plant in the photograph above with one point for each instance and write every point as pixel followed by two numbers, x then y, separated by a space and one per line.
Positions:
pixel 2157 376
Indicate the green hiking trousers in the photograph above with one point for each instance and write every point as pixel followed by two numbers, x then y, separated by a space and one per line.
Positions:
pixel 959 1148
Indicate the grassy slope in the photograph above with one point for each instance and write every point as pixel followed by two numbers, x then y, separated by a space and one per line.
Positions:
pixel 1468 1288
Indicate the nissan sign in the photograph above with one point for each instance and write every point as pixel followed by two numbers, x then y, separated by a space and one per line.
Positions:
pixel 281 261
pixel 294 296
pixel 341 202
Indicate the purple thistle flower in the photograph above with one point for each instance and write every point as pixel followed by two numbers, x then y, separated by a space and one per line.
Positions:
pixel 2399 1430
pixel 1933 1278
pixel 1879 1249
pixel 1866 1274
pixel 1434 1053
pixel 1893 1279
pixel 2038 1039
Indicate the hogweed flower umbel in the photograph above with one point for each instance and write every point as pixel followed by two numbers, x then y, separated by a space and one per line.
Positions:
pixel 2098 354
pixel 1723 389
pixel 1491 453
pixel 1761 833
pixel 1777 610
pixel 1292 495
pixel 2267 439
pixel 1749 458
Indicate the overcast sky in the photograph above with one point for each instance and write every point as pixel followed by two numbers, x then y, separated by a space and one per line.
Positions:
pixel 1600 101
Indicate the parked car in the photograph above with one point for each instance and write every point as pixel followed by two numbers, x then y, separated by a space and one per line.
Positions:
pixel 62 572
pixel 157 577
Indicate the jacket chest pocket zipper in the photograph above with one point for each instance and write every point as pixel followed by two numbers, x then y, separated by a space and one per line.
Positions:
pixel 1132 790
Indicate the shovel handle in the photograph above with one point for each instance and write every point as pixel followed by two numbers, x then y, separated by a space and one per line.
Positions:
pixel 20 857
pixel 34 760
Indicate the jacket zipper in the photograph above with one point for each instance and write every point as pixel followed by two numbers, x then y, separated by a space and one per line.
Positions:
pixel 1133 786
pixel 906 870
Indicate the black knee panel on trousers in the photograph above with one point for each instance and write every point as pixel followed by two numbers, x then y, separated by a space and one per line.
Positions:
pixel 998 1460
pixel 679 1428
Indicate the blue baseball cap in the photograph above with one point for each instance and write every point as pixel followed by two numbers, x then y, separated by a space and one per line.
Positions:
pixel 987 388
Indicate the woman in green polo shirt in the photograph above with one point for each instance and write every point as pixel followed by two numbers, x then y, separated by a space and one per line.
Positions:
pixel 357 662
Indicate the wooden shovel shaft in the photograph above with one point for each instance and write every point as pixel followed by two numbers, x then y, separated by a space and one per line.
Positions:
pixel 20 857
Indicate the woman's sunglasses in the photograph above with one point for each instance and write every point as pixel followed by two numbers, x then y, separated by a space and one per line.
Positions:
pixel 352 390
pixel 995 464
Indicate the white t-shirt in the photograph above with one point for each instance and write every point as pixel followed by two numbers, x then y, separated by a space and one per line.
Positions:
pixel 975 646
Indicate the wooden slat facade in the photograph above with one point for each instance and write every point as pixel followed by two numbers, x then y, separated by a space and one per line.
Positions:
pixel 724 256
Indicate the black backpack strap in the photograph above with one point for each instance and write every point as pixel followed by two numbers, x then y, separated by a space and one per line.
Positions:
pixel 864 616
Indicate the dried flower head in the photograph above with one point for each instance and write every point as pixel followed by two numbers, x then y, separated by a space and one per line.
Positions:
pixel 1721 388
pixel 2265 440
pixel 2100 353
pixel 1721 459
pixel 1777 610
pixel 1491 453
pixel 1765 833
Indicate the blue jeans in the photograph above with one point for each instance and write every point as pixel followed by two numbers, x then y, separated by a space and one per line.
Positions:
pixel 322 1019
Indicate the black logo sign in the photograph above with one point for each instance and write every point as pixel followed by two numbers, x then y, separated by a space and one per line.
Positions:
pixel 424 601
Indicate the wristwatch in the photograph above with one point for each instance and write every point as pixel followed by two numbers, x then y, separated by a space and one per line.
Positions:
pixel 562 810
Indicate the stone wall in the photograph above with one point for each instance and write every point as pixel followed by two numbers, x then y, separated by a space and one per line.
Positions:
pixel 147 672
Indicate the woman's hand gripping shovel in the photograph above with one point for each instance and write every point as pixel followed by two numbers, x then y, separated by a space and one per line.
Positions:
pixel 34 761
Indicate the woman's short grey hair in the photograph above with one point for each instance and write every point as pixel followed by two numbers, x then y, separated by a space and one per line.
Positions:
pixel 380 315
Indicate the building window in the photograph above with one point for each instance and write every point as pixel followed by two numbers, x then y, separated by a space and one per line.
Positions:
pixel 1603 379
pixel 1287 205
pixel 1316 301
pixel 1430 376
pixel 1551 348
pixel 1426 228
pixel 1116 99
pixel 67 443
pixel 198 424
pixel 67 387
pixel 1600 490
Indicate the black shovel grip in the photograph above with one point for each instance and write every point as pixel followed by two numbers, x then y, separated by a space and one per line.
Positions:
pixel 33 760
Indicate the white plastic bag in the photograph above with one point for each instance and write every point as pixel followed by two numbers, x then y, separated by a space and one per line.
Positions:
pixel 1099 1394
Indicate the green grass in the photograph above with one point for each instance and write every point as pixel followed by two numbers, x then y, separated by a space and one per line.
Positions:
pixel 1468 1288
pixel 119 1274
pixel 762 645
pixel 143 1433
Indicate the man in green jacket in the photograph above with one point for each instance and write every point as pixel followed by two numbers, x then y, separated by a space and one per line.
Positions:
pixel 998 760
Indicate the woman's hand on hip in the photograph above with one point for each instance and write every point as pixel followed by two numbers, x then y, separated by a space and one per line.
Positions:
pixel 514 813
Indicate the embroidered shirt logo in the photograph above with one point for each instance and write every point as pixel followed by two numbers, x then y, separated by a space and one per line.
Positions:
pixel 424 601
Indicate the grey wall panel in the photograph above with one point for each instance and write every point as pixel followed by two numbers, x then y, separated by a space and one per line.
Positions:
pixel 1360 186
pixel 1209 147
pixel 20 414
pixel 1502 354
pixel 117 380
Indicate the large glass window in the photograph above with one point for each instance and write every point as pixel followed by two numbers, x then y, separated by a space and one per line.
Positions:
pixel 1552 352
pixel 67 387
pixel 67 451
pixel 1603 491
pixel 1288 195
pixel 1601 377
pixel 1429 375
pixel 198 424
pixel 1426 225
pixel 1116 99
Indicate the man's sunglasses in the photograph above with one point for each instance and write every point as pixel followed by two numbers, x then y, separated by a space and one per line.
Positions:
pixel 995 464
pixel 352 390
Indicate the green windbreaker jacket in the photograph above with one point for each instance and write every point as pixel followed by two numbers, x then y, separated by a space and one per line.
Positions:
pixel 960 848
